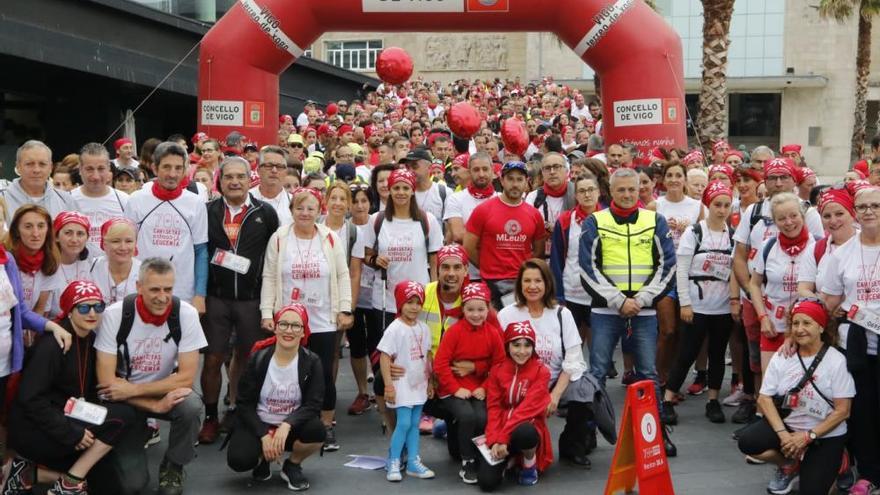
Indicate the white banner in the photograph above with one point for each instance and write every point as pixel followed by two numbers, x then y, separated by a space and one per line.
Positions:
pixel 602 22
pixel 222 112
pixel 270 25
pixel 414 6
pixel 638 112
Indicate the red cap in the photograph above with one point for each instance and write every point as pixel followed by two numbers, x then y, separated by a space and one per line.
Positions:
pixel 199 137
pixel 791 148
pixel 861 166
pixel 332 109
pixel 519 330
pixel 345 128
pixel 285 118
pixel 406 290
pixel 119 143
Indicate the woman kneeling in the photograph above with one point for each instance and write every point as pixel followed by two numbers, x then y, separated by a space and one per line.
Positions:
pixel 806 435
pixel 279 402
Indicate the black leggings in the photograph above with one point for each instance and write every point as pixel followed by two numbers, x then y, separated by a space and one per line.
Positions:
pixel 717 327
pixel 364 335
pixel 324 345
pixel 246 448
pixel 469 416
pixel 573 439
pixel 581 313
pixel 524 437
pixel 378 381
pixel 31 441
pixel 818 469
pixel 863 427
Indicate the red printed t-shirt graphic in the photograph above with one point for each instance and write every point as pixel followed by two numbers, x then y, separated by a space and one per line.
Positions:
pixel 488 5
pixel 506 236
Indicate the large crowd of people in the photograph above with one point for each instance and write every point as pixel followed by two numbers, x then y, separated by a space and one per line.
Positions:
pixel 480 294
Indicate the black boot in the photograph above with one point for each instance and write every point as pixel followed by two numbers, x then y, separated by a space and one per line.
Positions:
pixel 671 449
pixel 668 416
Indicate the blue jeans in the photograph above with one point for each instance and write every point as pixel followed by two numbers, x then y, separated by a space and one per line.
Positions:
pixel 608 330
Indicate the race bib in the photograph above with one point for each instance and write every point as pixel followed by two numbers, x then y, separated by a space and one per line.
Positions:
pixel 85 411
pixel 716 270
pixel 864 318
pixel 231 261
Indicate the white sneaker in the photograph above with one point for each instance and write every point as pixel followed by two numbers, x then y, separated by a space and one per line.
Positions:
pixel 394 473
pixel 735 398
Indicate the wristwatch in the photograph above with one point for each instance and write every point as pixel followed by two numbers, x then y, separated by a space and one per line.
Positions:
pixel 812 435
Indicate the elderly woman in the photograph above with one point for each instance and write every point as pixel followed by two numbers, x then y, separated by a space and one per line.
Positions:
pixel 559 348
pixel 64 444
pixel 850 283
pixel 805 398
pixel 279 403
pixel 306 264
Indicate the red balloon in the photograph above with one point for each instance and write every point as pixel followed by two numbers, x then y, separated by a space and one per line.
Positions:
pixel 463 120
pixel 394 65
pixel 515 136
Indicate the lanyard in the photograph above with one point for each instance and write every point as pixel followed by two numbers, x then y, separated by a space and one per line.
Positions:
pixel 82 367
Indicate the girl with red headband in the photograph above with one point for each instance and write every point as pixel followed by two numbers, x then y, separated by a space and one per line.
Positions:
pixel 709 296
pixel 850 284
pixel 306 263
pixel 805 398
pixel 279 403
pixel 71 230
pixel 516 400
pixel 116 272
pixel 44 434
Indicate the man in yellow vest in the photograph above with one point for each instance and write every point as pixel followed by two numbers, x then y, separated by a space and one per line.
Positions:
pixel 627 263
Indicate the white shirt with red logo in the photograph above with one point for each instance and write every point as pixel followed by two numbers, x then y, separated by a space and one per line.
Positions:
pixel 506 234
pixel 306 279
pixel 781 271
pixel 99 210
pixel 687 211
pixel 280 394
pixel 853 271
pixel 549 335
pixel 408 346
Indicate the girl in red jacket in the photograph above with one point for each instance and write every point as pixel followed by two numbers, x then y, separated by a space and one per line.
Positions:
pixel 474 339
pixel 517 396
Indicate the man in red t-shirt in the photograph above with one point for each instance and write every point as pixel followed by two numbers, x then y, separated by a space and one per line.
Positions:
pixel 505 231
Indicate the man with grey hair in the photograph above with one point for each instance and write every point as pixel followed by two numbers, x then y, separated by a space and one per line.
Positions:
pixel 556 195
pixel 627 261
pixel 33 164
pixel 273 169
pixel 173 223
pixel 96 199
pixel 147 357
pixel 760 156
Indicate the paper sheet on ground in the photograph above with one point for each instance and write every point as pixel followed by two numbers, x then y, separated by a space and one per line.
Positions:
pixel 369 462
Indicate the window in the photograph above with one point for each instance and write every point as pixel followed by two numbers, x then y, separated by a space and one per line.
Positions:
pixel 353 55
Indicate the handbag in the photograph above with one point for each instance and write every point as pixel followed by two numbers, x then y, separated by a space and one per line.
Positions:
pixel 783 402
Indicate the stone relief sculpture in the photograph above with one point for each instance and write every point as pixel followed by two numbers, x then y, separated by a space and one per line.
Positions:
pixel 463 52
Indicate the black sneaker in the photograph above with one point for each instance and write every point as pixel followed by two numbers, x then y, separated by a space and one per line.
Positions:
pixel 668 446
pixel 293 475
pixel 330 443
pixel 21 477
pixel 714 412
pixel 745 412
pixel 668 416
pixel 171 478
pixel 468 472
pixel 592 442
pixel 612 371
pixel 263 471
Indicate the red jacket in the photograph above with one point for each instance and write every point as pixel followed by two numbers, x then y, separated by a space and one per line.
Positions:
pixel 464 342
pixel 515 395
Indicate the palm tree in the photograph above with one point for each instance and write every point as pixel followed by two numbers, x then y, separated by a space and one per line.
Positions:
pixel 841 10
pixel 712 116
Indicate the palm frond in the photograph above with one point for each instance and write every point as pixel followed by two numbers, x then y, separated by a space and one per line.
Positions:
pixel 839 10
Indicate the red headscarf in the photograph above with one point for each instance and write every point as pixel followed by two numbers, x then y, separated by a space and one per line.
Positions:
pixel 406 290
pixel 119 143
pixel 839 196
pixel 791 148
pixel 475 291
pixel 66 217
pixel 402 175
pixel 694 157
pixel 451 251
pixel 303 315
pixel 722 168
pixel 519 330
pixel 780 166
pixel 714 189
pixel 813 309
pixel 804 173
pixel 310 190
pixel 75 293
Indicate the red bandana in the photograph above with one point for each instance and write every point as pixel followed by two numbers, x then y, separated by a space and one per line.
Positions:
pixel 150 318
pixel 557 192
pixel 163 194
pixel 793 246
pixel 29 263
pixel 3 257
pixel 580 214
pixel 481 193
pixel 622 212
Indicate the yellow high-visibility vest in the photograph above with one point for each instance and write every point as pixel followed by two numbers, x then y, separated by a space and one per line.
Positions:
pixel 430 315
pixel 627 249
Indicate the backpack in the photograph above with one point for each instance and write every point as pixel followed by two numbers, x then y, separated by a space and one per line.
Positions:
pixel 128 311
pixel 820 248
pixel 756 215
pixel 380 219
pixel 568 201
pixel 698 233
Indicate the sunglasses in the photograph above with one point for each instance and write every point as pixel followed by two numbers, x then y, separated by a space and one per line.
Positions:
pixel 359 187
pixel 84 308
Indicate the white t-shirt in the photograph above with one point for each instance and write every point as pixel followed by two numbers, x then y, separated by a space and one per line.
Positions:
pixel 368 274
pixel 100 274
pixel 408 347
pixel 549 335
pixel 99 210
pixel 460 205
pixel 171 230
pixel 571 272
pixel 281 204
pixel 66 274
pixel 708 297
pixel 306 279
pixel 430 201
pixel 685 211
pixel 852 272
pixel 831 378
pixel 33 285
pixel 152 358
pixel 364 173
pixel 6 326
pixel 554 207
pixel 280 394
pixel 781 271
pixel 402 241
pixel 764 229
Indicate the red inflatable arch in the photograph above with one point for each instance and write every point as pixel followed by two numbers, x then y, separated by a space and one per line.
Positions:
pixel 637 55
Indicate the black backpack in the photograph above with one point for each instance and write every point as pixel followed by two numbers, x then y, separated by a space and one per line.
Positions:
pixel 698 233
pixel 128 311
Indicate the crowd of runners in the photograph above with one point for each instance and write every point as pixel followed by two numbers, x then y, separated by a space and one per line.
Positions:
pixel 479 294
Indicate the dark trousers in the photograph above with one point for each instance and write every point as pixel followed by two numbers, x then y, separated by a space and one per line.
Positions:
pixel 246 448
pixel 864 431
pixel 324 345
pixel 524 437
pixel 717 329
pixel 364 335
pixel 573 439
pixel 469 416
pixel 818 469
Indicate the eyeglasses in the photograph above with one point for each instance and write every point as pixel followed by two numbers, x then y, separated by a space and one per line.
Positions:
pixel 84 308
pixel 588 190
pixel 293 327
pixel 276 166
pixel 552 168
pixel 864 207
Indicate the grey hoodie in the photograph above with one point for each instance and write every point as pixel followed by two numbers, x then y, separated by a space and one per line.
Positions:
pixel 53 200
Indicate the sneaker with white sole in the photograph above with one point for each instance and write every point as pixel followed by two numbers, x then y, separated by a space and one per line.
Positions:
pixel 735 398
pixel 416 469
pixel 393 473
pixel 468 471
pixel 784 480
pixel 292 473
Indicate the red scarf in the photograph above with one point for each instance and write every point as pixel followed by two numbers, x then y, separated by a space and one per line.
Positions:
pixel 150 318
pixel 622 212
pixel 558 192
pixel 481 193
pixel 29 263
pixel 163 194
pixel 232 224
pixel 3 257
pixel 579 214
pixel 793 246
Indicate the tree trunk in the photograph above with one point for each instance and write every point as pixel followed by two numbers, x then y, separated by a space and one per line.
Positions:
pixel 863 68
pixel 712 117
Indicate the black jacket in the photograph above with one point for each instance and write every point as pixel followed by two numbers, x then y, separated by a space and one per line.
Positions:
pixel 311 384
pixel 259 223
pixel 49 379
